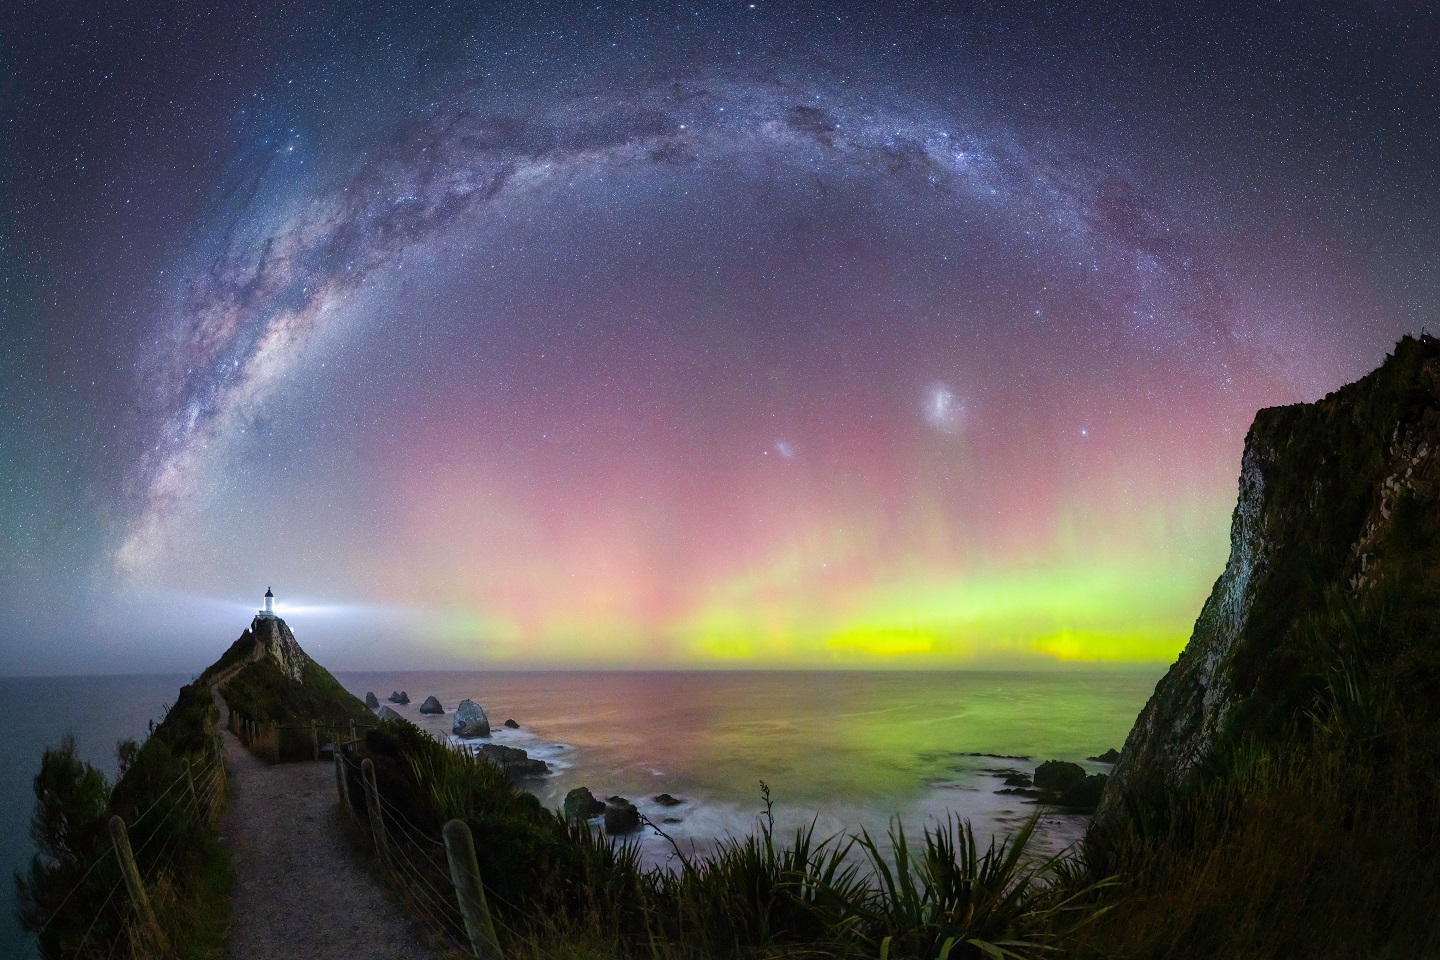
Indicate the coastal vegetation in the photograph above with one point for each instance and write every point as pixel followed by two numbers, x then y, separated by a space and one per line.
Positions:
pixel 1321 841
pixel 557 889
pixel 169 792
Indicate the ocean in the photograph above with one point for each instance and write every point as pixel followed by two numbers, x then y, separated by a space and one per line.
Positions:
pixel 848 750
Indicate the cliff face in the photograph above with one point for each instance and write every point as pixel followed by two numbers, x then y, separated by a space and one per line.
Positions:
pixel 266 675
pixel 1334 497
pixel 273 639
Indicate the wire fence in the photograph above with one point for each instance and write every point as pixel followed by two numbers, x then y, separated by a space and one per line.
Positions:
pixel 118 924
pixel 419 867
pixel 415 860
pixel 293 742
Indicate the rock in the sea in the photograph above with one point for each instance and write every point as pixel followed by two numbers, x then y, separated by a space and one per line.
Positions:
pixel 665 800
pixel 1058 774
pixel 621 816
pixel 1018 780
pixel 385 713
pixel 371 700
pixel 1109 756
pixel 1085 792
pixel 431 705
pixel 399 696
pixel 581 804
pixel 512 724
pixel 515 762
pixel 470 720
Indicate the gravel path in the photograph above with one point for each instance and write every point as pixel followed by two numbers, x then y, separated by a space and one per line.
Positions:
pixel 300 891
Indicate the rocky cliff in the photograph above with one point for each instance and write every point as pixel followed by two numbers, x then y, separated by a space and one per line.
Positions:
pixel 273 639
pixel 1336 498
pixel 267 675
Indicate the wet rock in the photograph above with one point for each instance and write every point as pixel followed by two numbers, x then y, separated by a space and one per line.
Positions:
pixel 385 713
pixel 399 696
pixel 1018 780
pixel 432 705
pixel 665 800
pixel 1084 793
pixel 470 720
pixel 371 700
pixel 516 763
pixel 581 804
pixel 1109 756
pixel 673 820
pixel 512 724
pixel 621 816
pixel 1058 774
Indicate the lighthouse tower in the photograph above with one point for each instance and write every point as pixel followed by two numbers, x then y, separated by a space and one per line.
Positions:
pixel 269 610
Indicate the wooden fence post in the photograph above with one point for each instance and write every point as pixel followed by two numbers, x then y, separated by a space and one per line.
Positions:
pixel 465 873
pixel 190 784
pixel 121 839
pixel 352 729
pixel 314 741
pixel 372 804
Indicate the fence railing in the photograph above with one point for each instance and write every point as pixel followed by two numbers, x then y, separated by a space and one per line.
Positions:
pixel 437 877
pixel 123 921
pixel 289 742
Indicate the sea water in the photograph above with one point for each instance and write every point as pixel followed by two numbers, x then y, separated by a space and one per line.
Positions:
pixel 846 750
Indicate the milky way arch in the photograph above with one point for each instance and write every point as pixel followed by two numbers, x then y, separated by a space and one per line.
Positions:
pixel 285 267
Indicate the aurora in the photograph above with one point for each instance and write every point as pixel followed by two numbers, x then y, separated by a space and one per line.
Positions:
pixel 726 338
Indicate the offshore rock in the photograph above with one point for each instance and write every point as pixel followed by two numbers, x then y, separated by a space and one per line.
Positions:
pixel 665 800
pixel 621 816
pixel 386 713
pixel 581 804
pixel 1331 496
pixel 1057 775
pixel 516 763
pixel 274 640
pixel 470 720
pixel 1109 756
pixel 1084 793
pixel 399 696
pixel 512 724
pixel 371 700
pixel 431 705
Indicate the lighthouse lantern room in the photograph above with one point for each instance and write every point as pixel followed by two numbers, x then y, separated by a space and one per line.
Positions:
pixel 269 610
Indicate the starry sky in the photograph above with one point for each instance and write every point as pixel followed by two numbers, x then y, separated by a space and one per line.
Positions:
pixel 677 334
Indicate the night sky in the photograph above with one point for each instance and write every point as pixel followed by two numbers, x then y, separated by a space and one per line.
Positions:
pixel 722 334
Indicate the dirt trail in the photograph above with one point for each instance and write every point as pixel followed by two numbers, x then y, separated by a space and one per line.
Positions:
pixel 300 891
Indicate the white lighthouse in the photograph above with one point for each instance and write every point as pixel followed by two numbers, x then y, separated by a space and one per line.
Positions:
pixel 269 610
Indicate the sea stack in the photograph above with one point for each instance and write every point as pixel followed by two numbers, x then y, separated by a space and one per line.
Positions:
pixel 470 720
